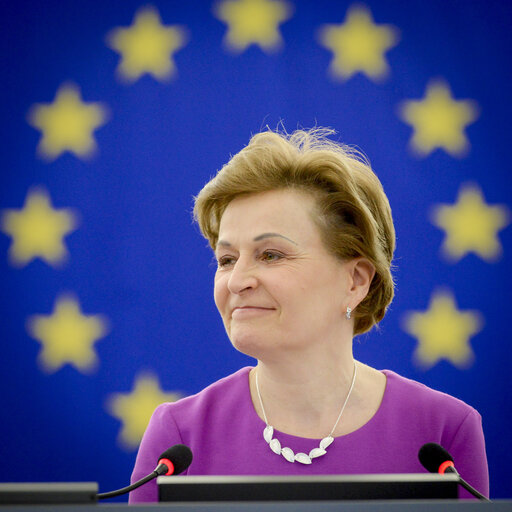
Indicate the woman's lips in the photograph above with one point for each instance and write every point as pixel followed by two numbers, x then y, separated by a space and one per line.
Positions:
pixel 250 311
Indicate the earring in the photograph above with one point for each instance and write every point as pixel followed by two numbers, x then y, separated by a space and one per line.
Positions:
pixel 347 314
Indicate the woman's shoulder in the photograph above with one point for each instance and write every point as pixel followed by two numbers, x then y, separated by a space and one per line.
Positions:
pixel 408 394
pixel 223 391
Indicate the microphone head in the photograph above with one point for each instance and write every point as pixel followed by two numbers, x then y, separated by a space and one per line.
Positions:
pixel 180 456
pixel 432 455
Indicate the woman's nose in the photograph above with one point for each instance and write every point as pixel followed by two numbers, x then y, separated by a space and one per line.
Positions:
pixel 242 277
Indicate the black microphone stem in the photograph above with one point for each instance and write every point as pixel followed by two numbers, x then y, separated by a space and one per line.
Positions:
pixel 173 461
pixel 124 490
pixel 463 483
pixel 472 490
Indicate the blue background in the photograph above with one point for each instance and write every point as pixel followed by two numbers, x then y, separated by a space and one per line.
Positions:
pixel 138 259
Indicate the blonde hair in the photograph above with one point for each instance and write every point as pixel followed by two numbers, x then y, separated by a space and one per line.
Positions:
pixel 353 212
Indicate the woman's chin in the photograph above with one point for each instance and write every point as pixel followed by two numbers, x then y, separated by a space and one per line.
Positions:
pixel 250 345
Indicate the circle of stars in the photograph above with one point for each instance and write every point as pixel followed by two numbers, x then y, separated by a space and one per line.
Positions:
pixel 148 47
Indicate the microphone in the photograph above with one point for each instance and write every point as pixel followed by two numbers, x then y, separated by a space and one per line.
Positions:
pixel 173 461
pixel 436 459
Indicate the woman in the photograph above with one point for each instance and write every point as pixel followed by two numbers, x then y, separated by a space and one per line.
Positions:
pixel 303 236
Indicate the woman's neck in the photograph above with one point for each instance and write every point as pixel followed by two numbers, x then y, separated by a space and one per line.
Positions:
pixel 302 394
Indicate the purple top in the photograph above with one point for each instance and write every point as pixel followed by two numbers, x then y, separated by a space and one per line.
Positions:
pixel 225 435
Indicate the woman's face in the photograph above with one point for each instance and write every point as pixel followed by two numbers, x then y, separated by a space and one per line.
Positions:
pixel 276 286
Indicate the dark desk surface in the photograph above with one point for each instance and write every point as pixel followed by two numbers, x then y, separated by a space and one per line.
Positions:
pixel 360 506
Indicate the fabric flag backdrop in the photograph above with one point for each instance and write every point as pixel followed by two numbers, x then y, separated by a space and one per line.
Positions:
pixel 114 114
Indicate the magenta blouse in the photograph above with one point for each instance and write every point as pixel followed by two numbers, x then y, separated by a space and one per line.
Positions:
pixel 225 435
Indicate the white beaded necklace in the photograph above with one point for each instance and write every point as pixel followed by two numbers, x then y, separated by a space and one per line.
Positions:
pixel 287 453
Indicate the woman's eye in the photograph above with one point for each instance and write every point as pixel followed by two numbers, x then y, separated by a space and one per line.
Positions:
pixel 270 256
pixel 225 261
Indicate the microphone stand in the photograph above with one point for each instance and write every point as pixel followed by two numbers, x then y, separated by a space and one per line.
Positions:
pixel 159 470
pixel 466 486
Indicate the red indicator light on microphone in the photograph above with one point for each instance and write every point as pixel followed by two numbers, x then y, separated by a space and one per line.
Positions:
pixel 169 464
pixel 445 465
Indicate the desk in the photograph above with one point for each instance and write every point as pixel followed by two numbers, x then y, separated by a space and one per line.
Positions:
pixel 317 506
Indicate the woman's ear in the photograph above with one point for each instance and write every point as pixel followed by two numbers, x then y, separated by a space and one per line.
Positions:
pixel 362 272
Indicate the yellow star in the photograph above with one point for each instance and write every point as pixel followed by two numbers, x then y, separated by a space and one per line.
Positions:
pixel 67 336
pixel 471 225
pixel 443 331
pixel 134 409
pixel 37 230
pixel 67 123
pixel 253 22
pixel 147 46
pixel 359 45
pixel 439 121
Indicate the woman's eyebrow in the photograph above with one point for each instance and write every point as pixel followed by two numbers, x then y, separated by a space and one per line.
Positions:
pixel 225 243
pixel 272 235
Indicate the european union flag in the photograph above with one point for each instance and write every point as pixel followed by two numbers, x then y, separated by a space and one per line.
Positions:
pixel 114 115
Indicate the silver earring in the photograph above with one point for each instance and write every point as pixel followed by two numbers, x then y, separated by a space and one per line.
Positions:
pixel 348 313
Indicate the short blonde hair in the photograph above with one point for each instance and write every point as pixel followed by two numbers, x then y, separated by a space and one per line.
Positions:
pixel 353 212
